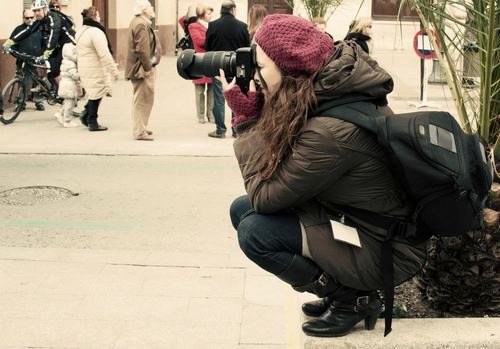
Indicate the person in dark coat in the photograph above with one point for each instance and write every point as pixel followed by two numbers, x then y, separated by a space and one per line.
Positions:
pixel 32 45
pixel 56 30
pixel 298 167
pixel 224 34
pixel 360 31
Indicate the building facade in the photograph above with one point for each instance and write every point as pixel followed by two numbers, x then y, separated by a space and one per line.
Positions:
pixel 116 15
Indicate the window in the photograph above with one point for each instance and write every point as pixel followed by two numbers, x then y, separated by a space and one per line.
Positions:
pixel 388 10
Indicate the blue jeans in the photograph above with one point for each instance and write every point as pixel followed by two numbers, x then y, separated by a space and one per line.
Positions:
pixel 271 240
pixel 219 107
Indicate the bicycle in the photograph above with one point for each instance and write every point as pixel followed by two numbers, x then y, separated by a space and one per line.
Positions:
pixel 13 99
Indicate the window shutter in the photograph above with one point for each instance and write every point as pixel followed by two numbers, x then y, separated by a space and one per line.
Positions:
pixel 27 3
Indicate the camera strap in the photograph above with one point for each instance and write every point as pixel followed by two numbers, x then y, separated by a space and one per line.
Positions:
pixel 261 79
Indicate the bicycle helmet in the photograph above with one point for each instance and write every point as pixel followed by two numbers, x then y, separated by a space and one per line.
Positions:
pixel 38 4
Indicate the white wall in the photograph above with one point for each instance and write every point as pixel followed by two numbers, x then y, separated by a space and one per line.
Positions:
pixel 386 34
pixel 74 9
pixel 12 16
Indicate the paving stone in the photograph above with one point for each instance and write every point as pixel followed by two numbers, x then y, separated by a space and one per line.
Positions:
pixel 263 325
pixel 265 290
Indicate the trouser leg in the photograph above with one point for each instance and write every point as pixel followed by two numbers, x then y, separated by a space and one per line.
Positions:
pixel 92 110
pixel 142 103
pixel 210 103
pixel 219 107
pixel 67 109
pixel 199 92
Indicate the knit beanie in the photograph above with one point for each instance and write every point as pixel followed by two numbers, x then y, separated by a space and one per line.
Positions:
pixel 294 44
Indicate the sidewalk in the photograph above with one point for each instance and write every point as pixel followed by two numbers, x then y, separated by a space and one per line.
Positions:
pixel 145 256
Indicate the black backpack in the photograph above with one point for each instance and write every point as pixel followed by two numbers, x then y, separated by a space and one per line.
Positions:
pixel 445 172
pixel 186 42
pixel 67 27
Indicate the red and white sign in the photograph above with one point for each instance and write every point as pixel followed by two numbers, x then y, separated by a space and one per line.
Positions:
pixel 422 45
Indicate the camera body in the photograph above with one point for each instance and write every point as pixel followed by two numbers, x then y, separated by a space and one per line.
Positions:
pixel 239 64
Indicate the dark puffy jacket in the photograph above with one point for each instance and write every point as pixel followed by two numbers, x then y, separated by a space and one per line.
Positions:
pixel 336 163
pixel 55 28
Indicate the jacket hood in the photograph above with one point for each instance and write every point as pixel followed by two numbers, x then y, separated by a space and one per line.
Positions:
pixel 69 52
pixel 351 73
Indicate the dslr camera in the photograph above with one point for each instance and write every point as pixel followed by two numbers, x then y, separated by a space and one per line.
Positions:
pixel 240 64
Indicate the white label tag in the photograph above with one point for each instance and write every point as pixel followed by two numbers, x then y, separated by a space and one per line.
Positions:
pixel 345 233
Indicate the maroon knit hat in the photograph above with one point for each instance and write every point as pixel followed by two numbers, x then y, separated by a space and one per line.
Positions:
pixel 294 44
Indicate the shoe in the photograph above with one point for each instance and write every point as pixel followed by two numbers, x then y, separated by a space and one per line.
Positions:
pixel 39 106
pixel 149 132
pixel 59 118
pixel 201 121
pixel 234 135
pixel 318 307
pixel 70 124
pixel 95 127
pixel 214 134
pixel 145 137
pixel 343 315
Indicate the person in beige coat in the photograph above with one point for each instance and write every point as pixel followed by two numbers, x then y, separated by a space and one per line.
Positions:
pixel 141 60
pixel 95 64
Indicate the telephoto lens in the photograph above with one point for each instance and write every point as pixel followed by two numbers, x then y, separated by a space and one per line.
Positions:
pixel 191 65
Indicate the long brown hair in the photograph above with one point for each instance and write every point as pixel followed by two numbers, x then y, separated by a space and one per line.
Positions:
pixel 256 16
pixel 283 115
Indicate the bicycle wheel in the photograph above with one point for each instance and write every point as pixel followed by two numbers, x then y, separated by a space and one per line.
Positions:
pixel 13 100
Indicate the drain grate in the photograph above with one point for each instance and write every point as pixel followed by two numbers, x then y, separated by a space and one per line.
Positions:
pixel 33 195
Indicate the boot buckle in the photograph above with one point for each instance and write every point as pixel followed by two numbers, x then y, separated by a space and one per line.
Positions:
pixel 323 279
pixel 361 302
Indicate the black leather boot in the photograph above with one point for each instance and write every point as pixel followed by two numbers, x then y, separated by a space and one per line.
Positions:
pixel 317 307
pixel 305 276
pixel 347 309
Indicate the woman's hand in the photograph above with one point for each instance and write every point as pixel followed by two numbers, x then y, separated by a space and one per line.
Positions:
pixel 246 107
pixel 227 86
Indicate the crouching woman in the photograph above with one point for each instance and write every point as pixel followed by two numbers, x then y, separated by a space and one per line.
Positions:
pixel 298 167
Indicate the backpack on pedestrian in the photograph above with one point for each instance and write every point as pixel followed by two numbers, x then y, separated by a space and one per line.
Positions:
pixel 444 171
pixel 67 26
pixel 186 42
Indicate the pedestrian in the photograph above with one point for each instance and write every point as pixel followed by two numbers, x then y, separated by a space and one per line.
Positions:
pixel 31 45
pixel 299 168
pixel 256 15
pixel 140 69
pixel 360 31
pixel 69 86
pixel 203 86
pixel 54 5
pixel 95 64
pixel 224 34
pixel 56 29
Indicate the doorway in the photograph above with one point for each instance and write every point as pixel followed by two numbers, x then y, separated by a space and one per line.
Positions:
pixel 102 7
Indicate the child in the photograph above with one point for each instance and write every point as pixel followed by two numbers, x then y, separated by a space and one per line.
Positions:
pixel 69 86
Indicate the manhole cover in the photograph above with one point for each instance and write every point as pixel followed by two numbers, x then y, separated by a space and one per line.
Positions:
pixel 28 196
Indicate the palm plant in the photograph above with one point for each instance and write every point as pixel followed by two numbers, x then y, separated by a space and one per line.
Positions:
pixel 462 275
pixel 317 8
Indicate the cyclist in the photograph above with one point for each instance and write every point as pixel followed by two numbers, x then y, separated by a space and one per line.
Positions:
pixel 32 45
pixel 56 29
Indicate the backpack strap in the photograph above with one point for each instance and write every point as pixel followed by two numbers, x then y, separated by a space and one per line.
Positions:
pixel 366 115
